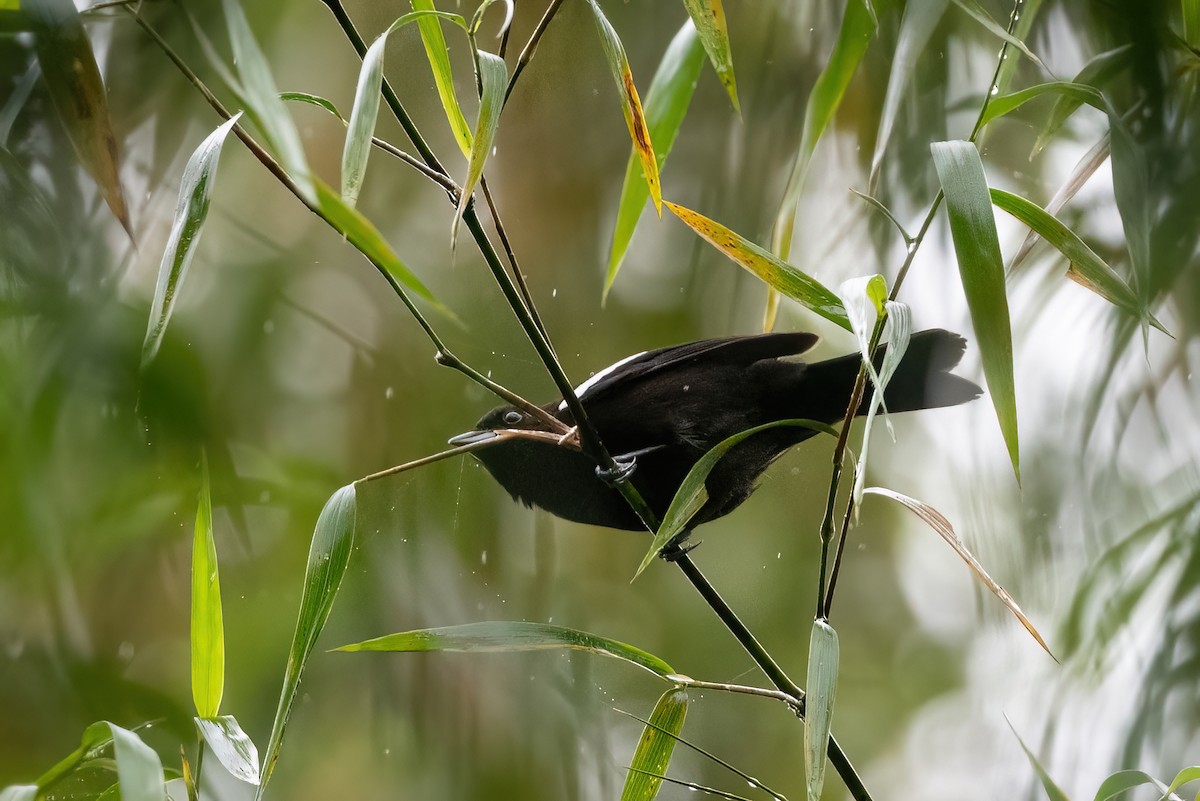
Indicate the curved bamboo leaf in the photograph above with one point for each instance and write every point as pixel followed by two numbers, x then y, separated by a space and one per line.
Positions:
pixel 191 210
pixel 314 100
pixel 692 494
pixel 139 770
pixel 653 753
pixel 666 104
pixel 981 268
pixel 332 542
pixel 493 78
pixel 823 658
pixel 709 18
pixel 1053 791
pixel 1087 268
pixel 1189 774
pixel 78 94
pixel 208 632
pixel 231 746
pixel 978 13
pixel 631 105
pixel 777 273
pixel 1006 104
pixel 510 636
pixel 938 522
pixel 1099 70
pixel 443 76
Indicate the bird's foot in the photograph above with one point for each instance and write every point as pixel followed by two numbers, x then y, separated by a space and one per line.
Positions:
pixel 572 435
pixel 620 472
pixel 676 550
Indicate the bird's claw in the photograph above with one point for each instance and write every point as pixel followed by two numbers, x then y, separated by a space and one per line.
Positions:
pixel 676 550
pixel 618 474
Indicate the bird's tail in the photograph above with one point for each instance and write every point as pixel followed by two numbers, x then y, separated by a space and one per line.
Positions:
pixel 922 380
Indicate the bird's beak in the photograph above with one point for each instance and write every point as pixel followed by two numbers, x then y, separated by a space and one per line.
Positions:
pixel 472 437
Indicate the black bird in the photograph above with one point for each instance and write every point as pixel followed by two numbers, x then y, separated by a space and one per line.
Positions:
pixel 664 409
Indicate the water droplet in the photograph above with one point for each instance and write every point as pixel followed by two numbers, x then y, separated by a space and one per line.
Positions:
pixel 389 393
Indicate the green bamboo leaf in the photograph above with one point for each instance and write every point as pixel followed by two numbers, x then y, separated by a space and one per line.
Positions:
pixel 709 18
pixel 653 753
pixel 666 105
pixel 231 746
pixel 191 210
pixel 942 527
pixel 493 79
pixel 78 94
pixel 96 736
pixel 332 542
pixel 981 268
pixel 856 32
pixel 363 234
pixel 139 770
pixel 978 13
pixel 208 631
pixel 1191 22
pixel 1053 791
pixel 1192 773
pixel 443 76
pixel 1028 11
pixel 631 104
pixel 1086 268
pixel 1002 105
pixel 692 494
pixel 510 636
pixel 1131 188
pixel 774 271
pixel 823 657
pixel 1125 780
pixel 1098 71
pixel 313 100
pixel 262 99
pixel 917 24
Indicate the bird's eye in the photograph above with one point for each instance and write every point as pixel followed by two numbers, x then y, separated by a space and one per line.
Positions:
pixel 512 418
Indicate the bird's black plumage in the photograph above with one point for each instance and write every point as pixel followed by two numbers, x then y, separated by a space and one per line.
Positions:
pixel 666 408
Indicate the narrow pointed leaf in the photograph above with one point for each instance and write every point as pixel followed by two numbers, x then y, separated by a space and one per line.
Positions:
pixel 191 210
pixel 78 94
pixel 666 105
pixel 855 34
pixel 692 494
pixel 262 98
pixel 332 542
pixel 978 13
pixel 1087 268
pixel 709 18
pixel 653 753
pixel 981 268
pixel 917 24
pixel 702 788
pixel 1131 188
pixel 493 77
pixel 631 104
pixel 774 271
pixel 443 76
pixel 1053 791
pixel 314 100
pixel 823 658
pixel 1029 13
pixel 1098 71
pixel 938 522
pixel 510 636
pixel 1077 93
pixel 1124 780
pixel 231 746
pixel 139 770
pixel 208 632
pixel 1189 774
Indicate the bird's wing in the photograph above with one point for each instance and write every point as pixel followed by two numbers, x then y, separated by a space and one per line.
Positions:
pixel 730 351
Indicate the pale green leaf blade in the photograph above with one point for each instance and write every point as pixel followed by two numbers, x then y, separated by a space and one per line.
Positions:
pixel 941 526
pixel 1078 93
pixel 981 268
pixel 772 270
pixel 262 98
pixel 823 659
pixel 493 77
pixel 332 542
pixel 78 94
pixel 691 495
pixel 1191 773
pixel 232 747
pixel 1087 268
pixel 631 104
pixel 94 737
pixel 313 100
pixel 363 116
pixel 653 753
pixel 443 75
pixel 978 13
pixel 709 18
pixel 510 636
pixel 1191 22
pixel 139 770
pixel 208 631
pixel 1053 791
pixel 1098 71
pixel 1124 780
pixel 191 210
pixel 666 105
pixel 1028 10
pixel 917 24
pixel 854 36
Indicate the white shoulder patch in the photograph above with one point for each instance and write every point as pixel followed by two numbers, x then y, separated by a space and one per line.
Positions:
pixel 583 388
